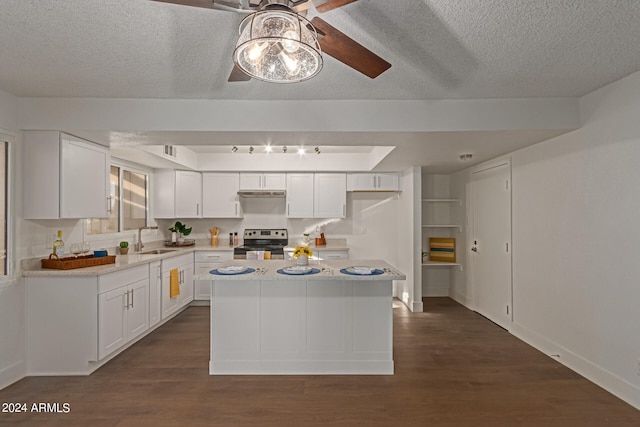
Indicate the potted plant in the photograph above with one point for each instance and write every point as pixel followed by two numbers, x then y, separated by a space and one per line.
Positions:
pixel 124 248
pixel 302 254
pixel 178 231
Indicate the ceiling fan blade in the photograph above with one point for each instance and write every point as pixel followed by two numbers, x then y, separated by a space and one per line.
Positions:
pixel 208 4
pixel 332 4
pixel 237 75
pixel 348 51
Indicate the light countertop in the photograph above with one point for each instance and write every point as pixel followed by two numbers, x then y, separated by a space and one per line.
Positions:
pixel 329 270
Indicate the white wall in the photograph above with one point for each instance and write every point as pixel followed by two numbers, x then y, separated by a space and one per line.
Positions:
pixel 12 309
pixel 409 240
pixel 576 242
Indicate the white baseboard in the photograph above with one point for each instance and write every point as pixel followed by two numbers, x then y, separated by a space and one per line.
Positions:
pixel 462 299
pixel 417 307
pixel 601 377
pixel 12 374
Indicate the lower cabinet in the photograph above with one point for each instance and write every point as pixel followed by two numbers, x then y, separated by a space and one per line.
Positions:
pixel 155 292
pixel 123 312
pixel 205 261
pixel 333 254
pixel 184 264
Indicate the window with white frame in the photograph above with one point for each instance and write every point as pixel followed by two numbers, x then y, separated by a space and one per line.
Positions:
pixel 128 202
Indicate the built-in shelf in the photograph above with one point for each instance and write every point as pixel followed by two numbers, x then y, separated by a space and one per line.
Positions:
pixel 441 264
pixel 443 201
pixel 459 227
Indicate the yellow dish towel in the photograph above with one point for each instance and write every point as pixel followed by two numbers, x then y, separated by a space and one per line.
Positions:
pixel 174 286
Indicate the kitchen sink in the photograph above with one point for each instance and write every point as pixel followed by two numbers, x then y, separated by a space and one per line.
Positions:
pixel 157 251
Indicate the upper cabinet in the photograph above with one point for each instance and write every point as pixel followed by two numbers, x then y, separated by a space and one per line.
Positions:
pixel 66 177
pixel 299 195
pixel 330 195
pixel 177 194
pixel 320 195
pixel 262 181
pixel 373 182
pixel 220 195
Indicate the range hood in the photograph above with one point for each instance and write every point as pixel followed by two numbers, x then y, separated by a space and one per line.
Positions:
pixel 261 193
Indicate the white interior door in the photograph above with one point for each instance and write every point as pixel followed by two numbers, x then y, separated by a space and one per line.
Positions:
pixel 491 242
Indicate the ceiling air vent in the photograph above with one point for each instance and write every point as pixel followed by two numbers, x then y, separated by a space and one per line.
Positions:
pixel 170 150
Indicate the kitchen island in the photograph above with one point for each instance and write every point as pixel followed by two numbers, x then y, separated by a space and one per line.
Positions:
pixel 265 322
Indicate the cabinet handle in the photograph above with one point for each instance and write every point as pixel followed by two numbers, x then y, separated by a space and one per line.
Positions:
pixel 344 210
pixel 131 297
pixel 197 209
pixel 236 208
pixel 288 209
pixel 379 181
pixel 109 204
pixel 126 306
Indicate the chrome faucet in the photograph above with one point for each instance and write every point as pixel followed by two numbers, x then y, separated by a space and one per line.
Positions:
pixel 138 247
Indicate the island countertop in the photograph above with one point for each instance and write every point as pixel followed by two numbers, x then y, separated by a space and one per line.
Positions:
pixel 329 270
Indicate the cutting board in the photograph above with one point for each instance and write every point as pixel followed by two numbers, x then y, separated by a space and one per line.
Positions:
pixel 442 249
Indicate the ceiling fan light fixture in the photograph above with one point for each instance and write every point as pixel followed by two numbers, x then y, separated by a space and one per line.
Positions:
pixel 277 45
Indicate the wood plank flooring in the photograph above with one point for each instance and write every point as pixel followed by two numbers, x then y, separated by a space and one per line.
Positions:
pixel 453 368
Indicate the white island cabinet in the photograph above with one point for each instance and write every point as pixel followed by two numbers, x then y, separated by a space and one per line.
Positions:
pixel 68 177
pixel 268 323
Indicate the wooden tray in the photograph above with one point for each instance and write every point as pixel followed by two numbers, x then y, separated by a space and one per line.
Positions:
pixel 70 263
pixel 186 242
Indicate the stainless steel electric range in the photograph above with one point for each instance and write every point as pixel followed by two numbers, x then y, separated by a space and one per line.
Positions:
pixel 271 240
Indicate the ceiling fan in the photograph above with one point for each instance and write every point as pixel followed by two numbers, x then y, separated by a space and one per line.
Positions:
pixel 331 41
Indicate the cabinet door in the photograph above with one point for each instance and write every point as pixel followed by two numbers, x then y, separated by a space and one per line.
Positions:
pixel 188 194
pixel 299 195
pixel 250 181
pixel 330 195
pixel 155 283
pixel 186 286
pixel 163 189
pixel 84 179
pixel 138 311
pixel 387 182
pixel 220 195
pixel 112 333
pixel 361 182
pixel 169 305
pixel 274 181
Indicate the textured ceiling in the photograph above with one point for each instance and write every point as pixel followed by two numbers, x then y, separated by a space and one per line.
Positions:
pixel 438 48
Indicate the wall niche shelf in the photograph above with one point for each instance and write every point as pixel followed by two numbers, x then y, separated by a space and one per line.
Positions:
pixel 434 264
pixel 459 227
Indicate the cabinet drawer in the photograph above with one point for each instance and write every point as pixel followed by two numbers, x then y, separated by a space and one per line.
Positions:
pixel 213 256
pixel 177 261
pixel 328 255
pixel 115 280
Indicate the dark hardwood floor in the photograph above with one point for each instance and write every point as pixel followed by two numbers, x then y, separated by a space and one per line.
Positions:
pixel 453 368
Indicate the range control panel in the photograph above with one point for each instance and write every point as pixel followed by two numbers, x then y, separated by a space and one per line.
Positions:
pixel 260 233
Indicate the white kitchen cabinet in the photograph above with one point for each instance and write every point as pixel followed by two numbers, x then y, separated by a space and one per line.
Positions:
pixel 155 292
pixel 205 261
pixel 184 264
pixel 373 182
pixel 177 194
pixel 68 177
pixel 220 195
pixel 300 195
pixel 320 195
pixel 330 195
pixel 262 181
pixel 188 194
pixel 123 312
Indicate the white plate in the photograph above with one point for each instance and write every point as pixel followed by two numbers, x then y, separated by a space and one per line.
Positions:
pixel 362 270
pixel 233 269
pixel 297 269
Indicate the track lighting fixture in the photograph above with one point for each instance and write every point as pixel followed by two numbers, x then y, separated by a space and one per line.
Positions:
pixel 234 149
pixel 284 148
pixel 301 150
pixel 251 149
pixel 317 150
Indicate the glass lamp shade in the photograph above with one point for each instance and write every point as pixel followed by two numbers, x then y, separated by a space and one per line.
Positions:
pixel 278 46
